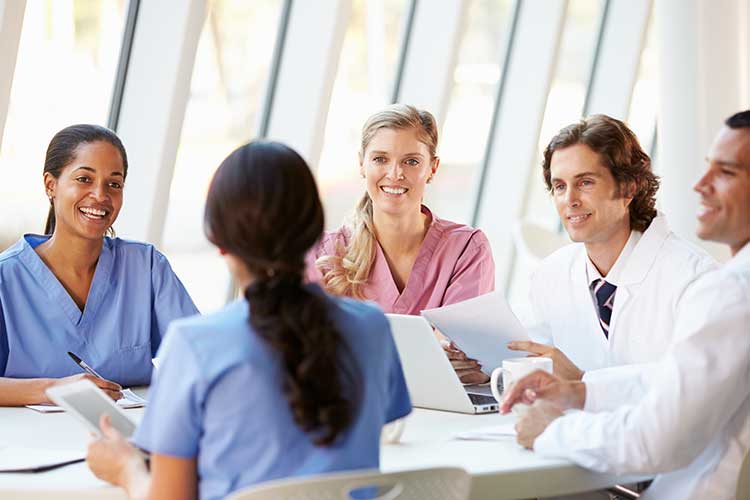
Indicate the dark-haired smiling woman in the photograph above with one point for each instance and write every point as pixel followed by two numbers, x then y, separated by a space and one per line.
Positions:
pixel 286 381
pixel 76 289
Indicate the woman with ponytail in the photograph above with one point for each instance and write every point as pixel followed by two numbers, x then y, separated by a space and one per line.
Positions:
pixel 286 381
pixel 77 288
pixel 396 252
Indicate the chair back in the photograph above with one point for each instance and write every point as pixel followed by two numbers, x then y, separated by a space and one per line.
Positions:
pixel 428 484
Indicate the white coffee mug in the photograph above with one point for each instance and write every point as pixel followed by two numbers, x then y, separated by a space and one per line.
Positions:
pixel 514 369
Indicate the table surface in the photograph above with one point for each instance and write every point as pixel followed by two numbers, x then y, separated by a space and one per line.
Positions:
pixel 500 469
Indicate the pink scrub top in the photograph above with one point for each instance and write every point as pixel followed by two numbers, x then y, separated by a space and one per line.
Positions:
pixel 454 264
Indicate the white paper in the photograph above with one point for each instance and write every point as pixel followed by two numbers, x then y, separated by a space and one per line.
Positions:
pixel 493 433
pixel 480 327
pixel 129 400
pixel 22 459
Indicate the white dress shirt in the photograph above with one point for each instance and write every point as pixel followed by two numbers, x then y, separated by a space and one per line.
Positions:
pixel 692 426
pixel 651 275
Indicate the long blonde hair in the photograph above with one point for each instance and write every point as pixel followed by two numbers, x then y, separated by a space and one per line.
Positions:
pixel 346 272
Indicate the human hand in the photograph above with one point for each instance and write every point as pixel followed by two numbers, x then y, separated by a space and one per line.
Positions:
pixel 534 421
pixel 540 384
pixel 562 366
pixel 111 389
pixel 111 457
pixel 469 370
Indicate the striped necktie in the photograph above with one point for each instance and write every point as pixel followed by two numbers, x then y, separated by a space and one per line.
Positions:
pixel 605 299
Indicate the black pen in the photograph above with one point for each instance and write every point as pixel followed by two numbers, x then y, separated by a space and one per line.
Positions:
pixel 84 366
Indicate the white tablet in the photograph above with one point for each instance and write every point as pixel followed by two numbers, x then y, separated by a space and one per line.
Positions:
pixel 86 402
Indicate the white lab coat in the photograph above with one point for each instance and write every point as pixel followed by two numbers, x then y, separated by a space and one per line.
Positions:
pixel 651 283
pixel 692 426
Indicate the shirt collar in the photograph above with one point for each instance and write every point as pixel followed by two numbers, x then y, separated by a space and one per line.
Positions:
pixel 614 275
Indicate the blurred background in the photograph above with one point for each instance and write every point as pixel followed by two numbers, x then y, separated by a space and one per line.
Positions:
pixel 184 82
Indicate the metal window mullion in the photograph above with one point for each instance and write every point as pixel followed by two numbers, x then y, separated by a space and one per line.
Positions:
pixel 123 64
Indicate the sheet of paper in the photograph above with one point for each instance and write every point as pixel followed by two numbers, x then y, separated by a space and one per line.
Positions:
pixel 22 459
pixel 493 433
pixel 129 400
pixel 480 327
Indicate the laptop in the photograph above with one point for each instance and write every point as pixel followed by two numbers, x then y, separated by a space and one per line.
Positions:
pixel 430 378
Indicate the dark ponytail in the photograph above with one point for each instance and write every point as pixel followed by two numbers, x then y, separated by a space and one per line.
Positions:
pixel 263 207
pixel 62 149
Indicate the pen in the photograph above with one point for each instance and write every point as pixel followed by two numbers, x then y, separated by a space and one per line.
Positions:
pixel 84 366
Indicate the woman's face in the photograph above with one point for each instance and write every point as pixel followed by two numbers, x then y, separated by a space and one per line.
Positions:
pixel 396 166
pixel 88 194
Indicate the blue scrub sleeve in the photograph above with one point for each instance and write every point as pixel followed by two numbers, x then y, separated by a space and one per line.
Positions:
pixel 172 424
pixel 171 300
pixel 4 349
pixel 399 403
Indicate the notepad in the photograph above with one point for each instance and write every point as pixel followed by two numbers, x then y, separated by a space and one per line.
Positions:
pixel 493 433
pixel 129 400
pixel 22 459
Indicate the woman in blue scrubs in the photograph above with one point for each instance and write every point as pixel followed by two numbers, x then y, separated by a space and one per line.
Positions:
pixel 75 289
pixel 287 381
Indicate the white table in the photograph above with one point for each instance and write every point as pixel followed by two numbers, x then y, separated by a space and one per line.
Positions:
pixel 500 469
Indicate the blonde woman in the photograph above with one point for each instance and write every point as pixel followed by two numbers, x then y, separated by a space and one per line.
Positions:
pixel 396 252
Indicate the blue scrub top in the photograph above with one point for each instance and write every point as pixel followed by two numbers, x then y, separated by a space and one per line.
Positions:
pixel 217 396
pixel 133 297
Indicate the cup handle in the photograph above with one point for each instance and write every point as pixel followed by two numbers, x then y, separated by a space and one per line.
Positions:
pixel 496 376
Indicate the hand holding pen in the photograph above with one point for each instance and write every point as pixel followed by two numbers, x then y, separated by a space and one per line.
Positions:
pixel 112 389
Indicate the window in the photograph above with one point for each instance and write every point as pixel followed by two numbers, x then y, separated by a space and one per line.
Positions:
pixel 229 78
pixel 645 101
pixel 65 70
pixel 363 85
pixel 565 103
pixel 470 109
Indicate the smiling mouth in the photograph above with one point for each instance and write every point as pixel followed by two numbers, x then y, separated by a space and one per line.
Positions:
pixel 576 219
pixel 393 190
pixel 95 214
pixel 705 210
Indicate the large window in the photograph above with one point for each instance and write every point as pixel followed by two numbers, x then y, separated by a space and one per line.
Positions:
pixel 228 84
pixel 643 106
pixel 472 101
pixel 65 69
pixel 363 85
pixel 565 103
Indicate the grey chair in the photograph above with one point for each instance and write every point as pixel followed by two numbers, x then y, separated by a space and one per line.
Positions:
pixel 426 484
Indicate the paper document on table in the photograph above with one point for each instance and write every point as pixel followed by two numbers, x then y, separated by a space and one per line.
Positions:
pixel 129 400
pixel 22 459
pixel 480 327
pixel 494 433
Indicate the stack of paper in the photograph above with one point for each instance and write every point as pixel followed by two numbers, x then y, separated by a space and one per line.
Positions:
pixel 493 433
pixel 129 400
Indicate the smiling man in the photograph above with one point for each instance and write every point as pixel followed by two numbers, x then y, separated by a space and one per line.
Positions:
pixel 610 298
pixel 686 418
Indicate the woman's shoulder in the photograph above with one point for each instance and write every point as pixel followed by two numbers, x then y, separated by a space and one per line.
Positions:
pixel 136 250
pixel 334 242
pixel 450 232
pixel 216 338
pixel 357 316
pixel 10 254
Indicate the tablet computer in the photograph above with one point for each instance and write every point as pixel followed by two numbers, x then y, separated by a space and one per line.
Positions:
pixel 86 402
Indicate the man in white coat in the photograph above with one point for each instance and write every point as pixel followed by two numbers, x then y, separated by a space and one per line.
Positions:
pixel 686 418
pixel 610 298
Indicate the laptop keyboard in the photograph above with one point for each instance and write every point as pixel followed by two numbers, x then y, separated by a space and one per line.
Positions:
pixel 481 399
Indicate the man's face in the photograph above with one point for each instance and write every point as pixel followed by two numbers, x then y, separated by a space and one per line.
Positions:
pixel 586 196
pixel 724 213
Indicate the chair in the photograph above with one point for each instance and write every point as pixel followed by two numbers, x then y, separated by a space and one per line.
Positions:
pixel 534 241
pixel 427 484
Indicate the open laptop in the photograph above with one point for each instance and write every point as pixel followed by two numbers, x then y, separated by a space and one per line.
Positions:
pixel 430 378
